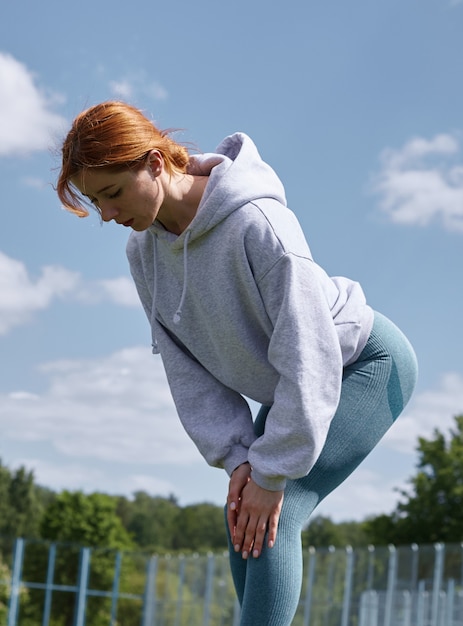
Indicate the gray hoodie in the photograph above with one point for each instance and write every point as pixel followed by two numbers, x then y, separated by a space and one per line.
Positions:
pixel 238 308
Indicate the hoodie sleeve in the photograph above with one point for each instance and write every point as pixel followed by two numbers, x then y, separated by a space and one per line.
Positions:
pixel 217 419
pixel 305 351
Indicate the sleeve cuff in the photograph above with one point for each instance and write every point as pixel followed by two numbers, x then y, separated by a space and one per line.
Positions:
pixel 276 483
pixel 237 456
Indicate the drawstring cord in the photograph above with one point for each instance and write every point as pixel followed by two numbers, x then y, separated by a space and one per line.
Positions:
pixel 154 340
pixel 178 313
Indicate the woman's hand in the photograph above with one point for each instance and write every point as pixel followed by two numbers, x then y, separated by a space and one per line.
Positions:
pixel 239 478
pixel 252 514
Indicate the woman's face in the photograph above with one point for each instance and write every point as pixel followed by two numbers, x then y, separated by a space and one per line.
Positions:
pixel 131 198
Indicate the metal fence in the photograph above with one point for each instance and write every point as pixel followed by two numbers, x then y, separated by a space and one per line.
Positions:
pixel 53 584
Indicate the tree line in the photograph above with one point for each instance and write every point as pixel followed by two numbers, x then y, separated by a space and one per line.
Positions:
pixel 430 510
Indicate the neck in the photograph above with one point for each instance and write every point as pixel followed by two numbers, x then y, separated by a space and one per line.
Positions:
pixel 181 201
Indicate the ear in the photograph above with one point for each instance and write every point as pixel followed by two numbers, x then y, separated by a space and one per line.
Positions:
pixel 155 162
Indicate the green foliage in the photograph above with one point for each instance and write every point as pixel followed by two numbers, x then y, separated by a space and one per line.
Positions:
pixel 151 521
pixel 433 508
pixel 90 520
pixel 4 591
pixel 161 525
pixel 21 503
pixel 382 529
pixel 323 532
pixel 200 527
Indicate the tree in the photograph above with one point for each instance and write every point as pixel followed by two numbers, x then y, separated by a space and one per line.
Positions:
pixel 433 508
pixel 200 527
pixel 322 532
pixel 22 503
pixel 90 520
pixel 76 519
pixel 150 520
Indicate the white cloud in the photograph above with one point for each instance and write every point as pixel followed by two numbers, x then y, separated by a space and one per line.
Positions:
pixel 373 488
pixel 431 409
pixel 27 122
pixel 121 88
pixel 118 409
pixel 121 291
pixel 422 182
pixel 79 476
pixel 35 183
pixel 22 295
pixel 363 494
pixel 139 84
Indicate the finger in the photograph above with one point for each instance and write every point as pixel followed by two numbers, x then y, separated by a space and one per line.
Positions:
pixel 240 531
pixel 273 529
pixel 238 480
pixel 249 538
pixel 231 518
pixel 233 502
pixel 259 537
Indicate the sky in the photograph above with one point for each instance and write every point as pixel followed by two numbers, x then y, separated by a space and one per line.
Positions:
pixel 357 105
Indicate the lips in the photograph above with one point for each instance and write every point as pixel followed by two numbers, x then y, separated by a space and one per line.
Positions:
pixel 128 223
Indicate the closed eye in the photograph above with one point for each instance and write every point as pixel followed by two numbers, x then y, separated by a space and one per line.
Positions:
pixel 115 194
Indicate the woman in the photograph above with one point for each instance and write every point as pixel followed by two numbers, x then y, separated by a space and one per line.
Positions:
pixel 238 308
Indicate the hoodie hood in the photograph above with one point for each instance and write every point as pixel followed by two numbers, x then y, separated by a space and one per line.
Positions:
pixel 237 175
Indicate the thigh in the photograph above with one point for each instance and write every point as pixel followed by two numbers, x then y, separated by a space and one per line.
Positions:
pixel 374 392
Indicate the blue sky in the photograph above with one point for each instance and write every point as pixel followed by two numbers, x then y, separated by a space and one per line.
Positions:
pixel 359 108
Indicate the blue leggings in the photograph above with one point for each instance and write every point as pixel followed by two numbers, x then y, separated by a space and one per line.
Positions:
pixel 375 389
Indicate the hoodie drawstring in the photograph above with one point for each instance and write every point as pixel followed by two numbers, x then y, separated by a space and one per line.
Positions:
pixel 178 313
pixel 154 340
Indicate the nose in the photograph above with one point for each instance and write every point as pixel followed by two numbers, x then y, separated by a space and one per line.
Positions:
pixel 108 212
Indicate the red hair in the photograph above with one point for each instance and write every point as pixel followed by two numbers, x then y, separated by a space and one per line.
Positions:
pixel 113 135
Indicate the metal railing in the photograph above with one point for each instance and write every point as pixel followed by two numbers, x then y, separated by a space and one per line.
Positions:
pixel 53 584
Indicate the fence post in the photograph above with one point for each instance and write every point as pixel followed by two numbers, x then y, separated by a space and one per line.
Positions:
pixel 309 585
pixel 391 582
pixel 369 608
pixel 330 582
pixel 347 586
pixel 371 567
pixel 149 602
pixel 18 556
pixel 48 590
pixel 437 582
pixel 450 603
pixel 81 599
pixel 422 607
pixel 208 590
pixel 181 583
pixel 407 607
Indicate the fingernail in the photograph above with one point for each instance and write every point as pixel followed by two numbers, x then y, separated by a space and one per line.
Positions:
pixel 255 554
pixel 270 544
pixel 245 555
pixel 237 547
pixel 232 506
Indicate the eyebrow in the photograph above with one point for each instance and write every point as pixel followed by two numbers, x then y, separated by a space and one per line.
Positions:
pixel 105 188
